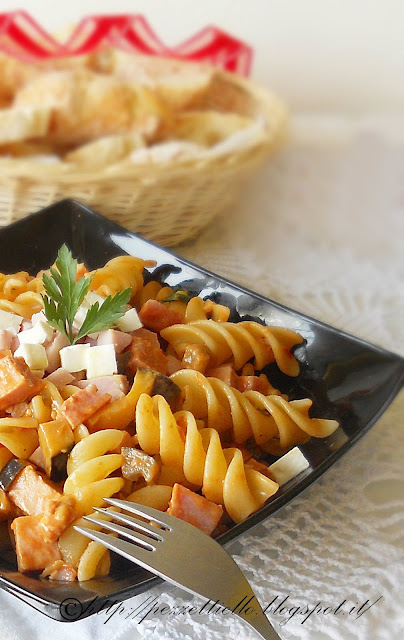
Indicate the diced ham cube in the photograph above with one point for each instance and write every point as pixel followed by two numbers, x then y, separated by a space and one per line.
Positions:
pixel 6 339
pixel 31 493
pixel 17 383
pixel 59 514
pixel 225 373
pixel 119 339
pixel 157 316
pixel 257 465
pixel 18 410
pixel 195 509
pixel 253 383
pixel 33 552
pixel 116 385
pixel 53 348
pixel 144 354
pixel 173 365
pixel 38 459
pixel 195 357
pixel 150 336
pixel 60 571
pixel 60 377
pixel 83 404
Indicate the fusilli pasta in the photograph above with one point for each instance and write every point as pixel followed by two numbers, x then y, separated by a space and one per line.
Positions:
pixel 199 458
pixel 240 341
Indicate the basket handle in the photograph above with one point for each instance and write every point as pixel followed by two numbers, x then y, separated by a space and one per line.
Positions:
pixel 22 37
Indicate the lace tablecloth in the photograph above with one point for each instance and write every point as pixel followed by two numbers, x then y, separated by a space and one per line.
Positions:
pixel 320 229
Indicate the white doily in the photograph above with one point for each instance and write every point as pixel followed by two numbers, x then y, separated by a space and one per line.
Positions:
pixel 320 229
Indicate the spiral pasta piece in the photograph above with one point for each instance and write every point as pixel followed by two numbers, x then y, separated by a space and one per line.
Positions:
pixel 240 341
pixel 119 273
pixel 199 456
pixel 20 294
pixel 89 558
pixel 89 466
pixel 275 423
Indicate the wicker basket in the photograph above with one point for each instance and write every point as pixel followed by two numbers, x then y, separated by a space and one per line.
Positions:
pixel 165 202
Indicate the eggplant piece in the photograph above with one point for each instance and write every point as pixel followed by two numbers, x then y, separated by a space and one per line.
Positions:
pixel 9 473
pixel 56 440
pixel 165 387
pixel 138 464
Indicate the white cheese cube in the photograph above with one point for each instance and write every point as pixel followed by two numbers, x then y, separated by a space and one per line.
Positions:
pixel 130 321
pixel 101 361
pixel 33 354
pixel 39 333
pixel 91 297
pixel 10 321
pixel 80 316
pixel 36 317
pixel 74 358
pixel 288 466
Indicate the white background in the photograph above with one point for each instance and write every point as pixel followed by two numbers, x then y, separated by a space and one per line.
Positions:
pixel 333 55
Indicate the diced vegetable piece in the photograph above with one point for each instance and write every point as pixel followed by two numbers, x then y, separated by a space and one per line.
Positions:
pixel 6 506
pixel 139 464
pixel 82 405
pixel 33 553
pixel 17 383
pixel 5 456
pixel 195 509
pixel 31 493
pixel 22 442
pixel 10 472
pixel 157 316
pixel 56 440
pixel 119 414
pixel 165 387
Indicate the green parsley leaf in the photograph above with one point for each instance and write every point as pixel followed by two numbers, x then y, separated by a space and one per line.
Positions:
pixel 179 295
pixel 101 317
pixel 63 296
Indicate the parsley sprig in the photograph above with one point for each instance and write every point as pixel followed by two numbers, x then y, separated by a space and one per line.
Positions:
pixel 179 295
pixel 64 295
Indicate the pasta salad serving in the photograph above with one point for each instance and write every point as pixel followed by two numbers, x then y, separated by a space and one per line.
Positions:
pixel 114 386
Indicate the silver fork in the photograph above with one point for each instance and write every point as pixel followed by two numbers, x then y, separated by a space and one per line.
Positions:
pixel 182 554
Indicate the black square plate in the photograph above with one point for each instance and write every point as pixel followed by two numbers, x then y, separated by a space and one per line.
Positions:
pixel 348 379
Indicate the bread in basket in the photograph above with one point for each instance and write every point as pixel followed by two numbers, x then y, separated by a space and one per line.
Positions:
pixel 160 146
